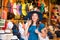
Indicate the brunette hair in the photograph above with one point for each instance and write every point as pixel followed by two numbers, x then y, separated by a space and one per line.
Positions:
pixel 37 23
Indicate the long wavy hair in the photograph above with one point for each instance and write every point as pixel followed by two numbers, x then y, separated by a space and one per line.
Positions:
pixel 37 23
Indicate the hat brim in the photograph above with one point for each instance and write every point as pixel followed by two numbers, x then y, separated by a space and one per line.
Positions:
pixel 39 13
pixel 35 12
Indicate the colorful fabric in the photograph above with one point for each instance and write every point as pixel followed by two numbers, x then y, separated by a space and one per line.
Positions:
pixel 10 7
pixel 41 27
pixel 15 9
pixel 5 26
pixel 18 5
pixel 39 4
pixel 42 8
pixel 4 14
pixel 24 13
pixel 31 7
pixel 20 9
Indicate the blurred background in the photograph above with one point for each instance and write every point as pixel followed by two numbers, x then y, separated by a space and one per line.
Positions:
pixel 17 12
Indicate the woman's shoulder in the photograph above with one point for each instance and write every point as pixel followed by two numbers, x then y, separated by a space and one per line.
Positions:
pixel 41 25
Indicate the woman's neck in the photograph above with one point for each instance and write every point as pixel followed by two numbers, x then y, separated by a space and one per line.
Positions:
pixel 34 23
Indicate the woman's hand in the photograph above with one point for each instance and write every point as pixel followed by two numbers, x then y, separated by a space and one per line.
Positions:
pixel 29 23
pixel 27 27
pixel 36 31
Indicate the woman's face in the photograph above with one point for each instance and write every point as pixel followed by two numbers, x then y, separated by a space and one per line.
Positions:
pixel 35 17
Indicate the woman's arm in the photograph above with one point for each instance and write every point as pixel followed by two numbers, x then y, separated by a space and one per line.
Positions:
pixel 36 31
pixel 27 27
pixel 26 30
pixel 43 32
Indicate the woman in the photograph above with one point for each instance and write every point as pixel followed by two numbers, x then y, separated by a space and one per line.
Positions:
pixel 32 27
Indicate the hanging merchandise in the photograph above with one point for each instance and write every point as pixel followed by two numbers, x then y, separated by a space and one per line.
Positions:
pixel 41 5
pixel 20 9
pixel 46 9
pixel 24 12
pixel 38 4
pixel 4 9
pixel 30 7
pixel 5 26
pixel 15 8
pixel 4 3
pixel 45 16
pixel 0 13
pixel 10 6
pixel 42 8
pixel 4 14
